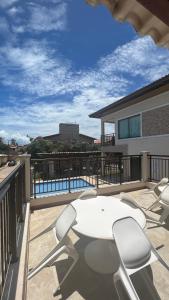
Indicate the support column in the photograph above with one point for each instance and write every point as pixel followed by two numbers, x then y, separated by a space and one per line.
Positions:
pixel 145 168
pixel 26 158
pixel 102 131
pixel 51 169
pixel 102 153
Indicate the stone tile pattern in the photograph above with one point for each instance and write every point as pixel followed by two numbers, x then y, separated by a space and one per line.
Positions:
pixel 82 282
pixel 156 121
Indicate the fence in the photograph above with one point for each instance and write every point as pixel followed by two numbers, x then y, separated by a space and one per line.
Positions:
pixel 68 174
pixel 12 198
pixel 158 167
pixel 108 139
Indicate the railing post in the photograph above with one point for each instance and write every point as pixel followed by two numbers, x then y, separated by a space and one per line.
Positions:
pixel 69 177
pixel 120 168
pixel 26 159
pixel 145 169
pixel 97 168
pixel 13 221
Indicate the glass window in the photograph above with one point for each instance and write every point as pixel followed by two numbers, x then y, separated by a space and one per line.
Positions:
pixel 134 126
pixel 123 129
pixel 129 127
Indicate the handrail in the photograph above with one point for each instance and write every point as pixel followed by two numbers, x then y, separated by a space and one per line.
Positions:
pixel 10 176
pixel 12 201
pixel 3 192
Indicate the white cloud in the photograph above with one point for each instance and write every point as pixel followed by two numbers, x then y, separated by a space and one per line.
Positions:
pixel 20 139
pixel 138 58
pixel 42 73
pixel 4 26
pixel 6 3
pixel 37 18
pixel 46 19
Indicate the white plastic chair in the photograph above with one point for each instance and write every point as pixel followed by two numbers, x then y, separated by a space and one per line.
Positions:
pixel 156 191
pixel 135 253
pixel 163 201
pixel 88 194
pixel 130 201
pixel 61 228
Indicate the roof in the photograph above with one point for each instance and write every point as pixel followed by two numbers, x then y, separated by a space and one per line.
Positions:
pixel 51 136
pixel 142 94
pixel 148 17
pixel 83 135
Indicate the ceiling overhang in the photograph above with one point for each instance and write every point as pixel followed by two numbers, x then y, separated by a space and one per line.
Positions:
pixel 148 17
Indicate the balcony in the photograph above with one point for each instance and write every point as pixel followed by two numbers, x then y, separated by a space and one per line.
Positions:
pixel 110 178
pixel 108 140
pixel 83 283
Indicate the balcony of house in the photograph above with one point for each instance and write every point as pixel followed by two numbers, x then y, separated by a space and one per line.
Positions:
pixel 108 139
pixel 34 194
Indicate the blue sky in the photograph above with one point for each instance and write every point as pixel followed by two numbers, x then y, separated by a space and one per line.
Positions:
pixel 62 61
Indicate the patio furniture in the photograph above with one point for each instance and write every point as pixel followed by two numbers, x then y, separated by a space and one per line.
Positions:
pixel 135 253
pixel 163 201
pixel 61 229
pixel 94 219
pixel 95 216
pixel 88 194
pixel 156 190
pixel 127 198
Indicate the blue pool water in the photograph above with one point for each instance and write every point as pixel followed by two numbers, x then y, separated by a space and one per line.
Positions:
pixel 53 187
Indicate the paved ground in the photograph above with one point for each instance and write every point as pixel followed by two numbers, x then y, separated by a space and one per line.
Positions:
pixel 82 282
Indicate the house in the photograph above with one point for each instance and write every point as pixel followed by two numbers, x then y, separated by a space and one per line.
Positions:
pixel 141 121
pixel 69 134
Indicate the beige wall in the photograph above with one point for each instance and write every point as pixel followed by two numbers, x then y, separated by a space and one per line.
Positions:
pixel 154 144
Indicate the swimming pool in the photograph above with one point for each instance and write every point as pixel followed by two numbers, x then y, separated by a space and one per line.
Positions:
pixel 59 186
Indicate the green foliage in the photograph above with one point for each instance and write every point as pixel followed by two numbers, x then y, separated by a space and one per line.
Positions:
pixel 4 149
pixel 39 146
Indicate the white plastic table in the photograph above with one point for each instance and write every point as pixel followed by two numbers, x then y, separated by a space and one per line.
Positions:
pixel 95 216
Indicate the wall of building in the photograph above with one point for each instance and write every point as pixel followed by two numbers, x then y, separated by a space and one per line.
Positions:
pixel 155 121
pixel 155 113
pixel 154 144
pixel 69 130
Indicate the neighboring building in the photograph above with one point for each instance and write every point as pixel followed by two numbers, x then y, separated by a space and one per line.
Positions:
pixel 69 134
pixel 141 121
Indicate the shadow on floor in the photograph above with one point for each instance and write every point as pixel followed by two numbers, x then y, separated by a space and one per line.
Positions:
pixel 94 286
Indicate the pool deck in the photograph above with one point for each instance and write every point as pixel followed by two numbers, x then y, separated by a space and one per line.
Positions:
pixel 84 284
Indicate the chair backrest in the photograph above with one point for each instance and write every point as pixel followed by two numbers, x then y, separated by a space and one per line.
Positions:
pixel 133 246
pixel 129 200
pixel 164 196
pixel 65 221
pixel 162 182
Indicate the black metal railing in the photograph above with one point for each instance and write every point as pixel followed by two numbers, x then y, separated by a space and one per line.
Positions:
pixel 71 174
pixel 108 139
pixel 158 167
pixel 12 198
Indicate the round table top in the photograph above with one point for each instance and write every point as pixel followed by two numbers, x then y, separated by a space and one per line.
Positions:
pixel 95 216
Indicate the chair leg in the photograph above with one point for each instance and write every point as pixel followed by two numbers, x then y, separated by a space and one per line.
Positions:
pixel 50 227
pixel 164 215
pixel 48 260
pixel 155 204
pixel 75 258
pixel 122 276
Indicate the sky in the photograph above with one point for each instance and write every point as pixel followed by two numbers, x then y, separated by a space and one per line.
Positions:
pixel 61 60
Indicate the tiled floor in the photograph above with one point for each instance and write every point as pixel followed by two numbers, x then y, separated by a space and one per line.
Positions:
pixel 83 283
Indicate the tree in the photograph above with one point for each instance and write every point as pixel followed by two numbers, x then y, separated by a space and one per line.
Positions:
pixel 39 146
pixel 4 149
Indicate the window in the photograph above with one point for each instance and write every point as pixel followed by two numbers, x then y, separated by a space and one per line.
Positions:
pixel 129 127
